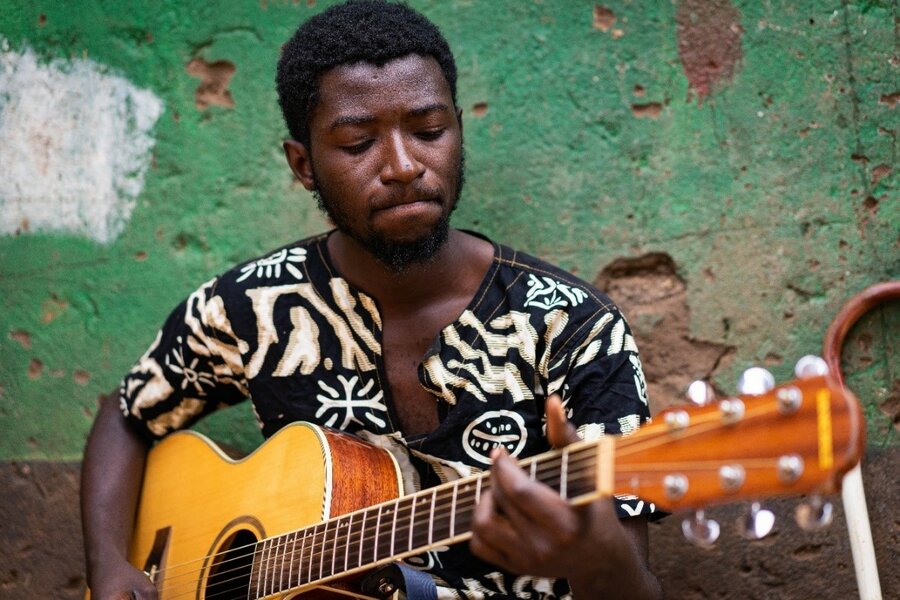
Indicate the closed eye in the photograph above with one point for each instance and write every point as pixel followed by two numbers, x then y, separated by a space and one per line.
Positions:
pixel 431 134
pixel 358 148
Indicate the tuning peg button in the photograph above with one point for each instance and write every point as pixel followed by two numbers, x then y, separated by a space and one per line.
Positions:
pixel 701 393
pixel 755 381
pixel 699 530
pixel 789 399
pixel 814 514
pixel 810 366
pixel 790 468
pixel 677 420
pixel 757 523
pixel 732 410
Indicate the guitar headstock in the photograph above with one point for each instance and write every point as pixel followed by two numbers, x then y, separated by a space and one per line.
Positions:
pixel 800 437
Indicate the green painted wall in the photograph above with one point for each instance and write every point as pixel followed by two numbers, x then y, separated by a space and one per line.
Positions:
pixel 776 195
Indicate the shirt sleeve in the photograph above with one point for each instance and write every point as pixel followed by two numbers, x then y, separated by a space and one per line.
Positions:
pixel 604 391
pixel 192 368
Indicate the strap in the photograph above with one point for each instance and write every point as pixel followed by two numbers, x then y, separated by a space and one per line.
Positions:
pixel 419 584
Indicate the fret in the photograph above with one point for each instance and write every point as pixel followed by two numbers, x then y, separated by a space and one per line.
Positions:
pixel 267 559
pixel 412 523
pixel 453 510
pixel 362 538
pixel 255 568
pixel 334 546
pixel 348 543
pixel 302 558
pixel 312 553
pixel 377 535
pixel 394 528
pixel 564 475
pixel 279 564
pixel 322 553
pixel 276 563
pixel 292 553
pixel 533 470
pixel 431 517
pixel 478 489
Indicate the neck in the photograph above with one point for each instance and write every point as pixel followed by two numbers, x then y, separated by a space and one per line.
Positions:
pixel 387 532
pixel 461 260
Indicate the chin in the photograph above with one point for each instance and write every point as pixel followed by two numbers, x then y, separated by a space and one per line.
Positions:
pixel 400 253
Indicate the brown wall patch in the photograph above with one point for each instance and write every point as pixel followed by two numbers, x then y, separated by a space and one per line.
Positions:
pixel 709 43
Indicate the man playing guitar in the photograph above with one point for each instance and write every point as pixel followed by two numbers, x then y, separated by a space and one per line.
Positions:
pixel 454 353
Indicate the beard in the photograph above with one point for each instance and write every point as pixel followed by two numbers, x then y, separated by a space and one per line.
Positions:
pixel 396 255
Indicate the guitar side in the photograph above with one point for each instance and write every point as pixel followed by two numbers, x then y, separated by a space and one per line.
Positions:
pixel 199 508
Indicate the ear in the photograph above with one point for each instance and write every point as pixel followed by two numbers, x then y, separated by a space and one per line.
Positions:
pixel 459 120
pixel 300 161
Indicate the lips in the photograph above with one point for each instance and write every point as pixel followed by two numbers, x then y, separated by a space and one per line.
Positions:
pixel 406 199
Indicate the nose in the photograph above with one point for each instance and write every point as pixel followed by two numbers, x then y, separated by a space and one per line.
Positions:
pixel 400 163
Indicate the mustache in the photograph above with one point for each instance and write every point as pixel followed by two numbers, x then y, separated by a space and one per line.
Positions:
pixel 417 192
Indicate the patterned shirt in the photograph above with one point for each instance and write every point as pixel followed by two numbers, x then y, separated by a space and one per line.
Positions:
pixel 289 332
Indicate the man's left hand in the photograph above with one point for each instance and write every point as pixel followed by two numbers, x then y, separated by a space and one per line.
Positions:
pixel 525 527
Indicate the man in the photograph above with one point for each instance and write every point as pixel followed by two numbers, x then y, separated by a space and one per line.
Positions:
pixel 449 350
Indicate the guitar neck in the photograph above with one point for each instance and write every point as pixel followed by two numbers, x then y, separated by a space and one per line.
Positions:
pixel 797 438
pixel 410 525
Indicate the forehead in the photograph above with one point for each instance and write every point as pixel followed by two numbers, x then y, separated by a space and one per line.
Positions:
pixel 360 89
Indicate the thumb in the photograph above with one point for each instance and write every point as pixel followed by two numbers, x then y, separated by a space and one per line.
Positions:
pixel 559 431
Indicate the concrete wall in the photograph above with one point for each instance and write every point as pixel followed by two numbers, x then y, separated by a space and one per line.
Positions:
pixel 727 170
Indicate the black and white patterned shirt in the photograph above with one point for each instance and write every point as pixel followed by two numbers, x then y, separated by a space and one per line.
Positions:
pixel 289 332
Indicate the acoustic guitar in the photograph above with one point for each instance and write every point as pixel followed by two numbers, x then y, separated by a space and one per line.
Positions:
pixel 312 511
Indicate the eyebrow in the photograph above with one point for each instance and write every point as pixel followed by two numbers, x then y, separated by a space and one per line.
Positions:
pixel 350 120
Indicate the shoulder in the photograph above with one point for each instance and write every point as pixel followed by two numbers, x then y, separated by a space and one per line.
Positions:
pixel 297 262
pixel 544 286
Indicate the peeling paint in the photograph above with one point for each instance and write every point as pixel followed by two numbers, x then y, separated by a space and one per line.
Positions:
pixel 604 18
pixel 21 336
pixel 650 110
pixel 709 43
pixel 214 79
pixel 76 145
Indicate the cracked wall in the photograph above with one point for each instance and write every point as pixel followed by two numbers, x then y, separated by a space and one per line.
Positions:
pixel 727 170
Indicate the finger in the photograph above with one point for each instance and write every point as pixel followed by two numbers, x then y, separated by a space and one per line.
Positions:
pixel 492 534
pixel 524 502
pixel 560 432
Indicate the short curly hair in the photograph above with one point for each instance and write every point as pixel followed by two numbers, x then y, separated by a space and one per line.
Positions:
pixel 373 31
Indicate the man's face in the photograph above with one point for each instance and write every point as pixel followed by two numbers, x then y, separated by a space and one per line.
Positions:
pixel 386 156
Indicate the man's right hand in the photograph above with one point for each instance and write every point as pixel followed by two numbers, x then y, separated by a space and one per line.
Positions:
pixel 110 482
pixel 121 582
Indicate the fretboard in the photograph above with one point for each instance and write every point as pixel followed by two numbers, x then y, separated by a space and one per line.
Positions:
pixel 412 524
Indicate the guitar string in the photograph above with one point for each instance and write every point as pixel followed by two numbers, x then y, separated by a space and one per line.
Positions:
pixel 321 550
pixel 318 548
pixel 625 446
pixel 321 553
pixel 402 505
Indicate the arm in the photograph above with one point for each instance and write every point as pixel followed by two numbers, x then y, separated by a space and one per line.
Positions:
pixel 110 482
pixel 525 527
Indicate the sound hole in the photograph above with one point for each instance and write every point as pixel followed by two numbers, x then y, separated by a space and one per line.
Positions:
pixel 229 575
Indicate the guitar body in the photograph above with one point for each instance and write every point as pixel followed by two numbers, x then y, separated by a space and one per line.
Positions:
pixel 200 509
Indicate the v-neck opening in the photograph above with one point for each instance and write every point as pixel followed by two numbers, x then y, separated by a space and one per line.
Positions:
pixel 433 348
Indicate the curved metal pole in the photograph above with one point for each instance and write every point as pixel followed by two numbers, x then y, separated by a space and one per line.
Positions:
pixel 852 491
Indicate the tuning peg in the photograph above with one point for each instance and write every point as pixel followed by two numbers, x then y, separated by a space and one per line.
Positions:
pixel 699 530
pixel 757 523
pixel 814 514
pixel 810 366
pixel 755 381
pixel 701 393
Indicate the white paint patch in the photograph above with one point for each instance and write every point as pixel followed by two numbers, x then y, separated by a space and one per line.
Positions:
pixel 75 143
